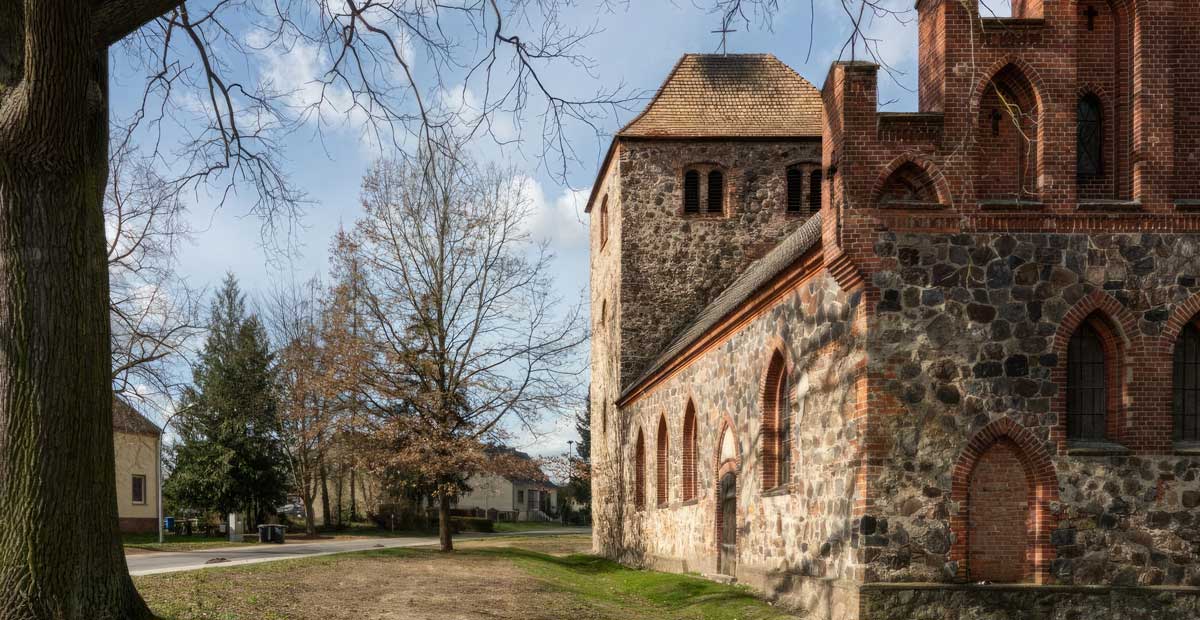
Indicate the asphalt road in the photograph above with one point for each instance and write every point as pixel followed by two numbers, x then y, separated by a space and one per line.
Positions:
pixel 170 562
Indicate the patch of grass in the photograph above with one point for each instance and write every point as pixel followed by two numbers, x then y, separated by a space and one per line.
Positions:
pixel 529 526
pixel 664 595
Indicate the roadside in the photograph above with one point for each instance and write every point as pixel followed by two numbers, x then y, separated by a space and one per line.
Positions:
pixel 207 557
pixel 137 544
pixel 500 578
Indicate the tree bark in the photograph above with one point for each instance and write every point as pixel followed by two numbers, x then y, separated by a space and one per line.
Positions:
pixel 326 518
pixel 353 498
pixel 60 546
pixel 444 533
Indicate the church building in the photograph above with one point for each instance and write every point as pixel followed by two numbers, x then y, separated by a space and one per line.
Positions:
pixel 895 366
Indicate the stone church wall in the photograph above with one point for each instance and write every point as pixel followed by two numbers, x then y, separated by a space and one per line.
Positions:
pixel 674 265
pixel 970 329
pixel 796 542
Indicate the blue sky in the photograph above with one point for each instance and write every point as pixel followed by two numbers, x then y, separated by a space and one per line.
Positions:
pixel 636 46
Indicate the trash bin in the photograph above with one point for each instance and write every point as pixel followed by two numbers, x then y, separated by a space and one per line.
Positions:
pixel 271 534
pixel 169 524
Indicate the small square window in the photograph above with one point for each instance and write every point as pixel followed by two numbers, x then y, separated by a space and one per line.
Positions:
pixel 139 489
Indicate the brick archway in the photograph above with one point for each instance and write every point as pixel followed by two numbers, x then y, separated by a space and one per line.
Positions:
pixel 1041 481
pixel 1116 326
pixel 722 466
pixel 928 172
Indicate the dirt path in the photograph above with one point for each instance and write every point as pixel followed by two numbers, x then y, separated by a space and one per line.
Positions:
pixel 423 587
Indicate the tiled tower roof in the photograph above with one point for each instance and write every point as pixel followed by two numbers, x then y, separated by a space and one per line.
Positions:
pixel 735 95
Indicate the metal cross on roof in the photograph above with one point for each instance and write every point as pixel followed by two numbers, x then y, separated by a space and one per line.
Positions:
pixel 724 32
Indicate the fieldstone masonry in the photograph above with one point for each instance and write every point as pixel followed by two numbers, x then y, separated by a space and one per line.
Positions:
pixel 925 318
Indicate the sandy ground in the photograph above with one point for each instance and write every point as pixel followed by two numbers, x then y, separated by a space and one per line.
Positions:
pixel 424 587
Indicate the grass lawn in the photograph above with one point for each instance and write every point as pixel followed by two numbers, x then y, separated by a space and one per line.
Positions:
pixel 149 542
pixel 543 578
pixel 528 526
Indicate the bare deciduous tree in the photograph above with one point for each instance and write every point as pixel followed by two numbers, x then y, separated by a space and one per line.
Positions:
pixel 468 336
pixel 155 314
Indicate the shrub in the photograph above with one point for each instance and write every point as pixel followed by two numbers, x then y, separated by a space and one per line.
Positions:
pixel 472 524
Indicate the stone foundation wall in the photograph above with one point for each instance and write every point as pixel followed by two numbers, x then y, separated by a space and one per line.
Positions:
pixel 904 602
pixel 970 332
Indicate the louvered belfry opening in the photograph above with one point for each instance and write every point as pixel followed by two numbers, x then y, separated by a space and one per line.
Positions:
pixel 716 192
pixel 691 192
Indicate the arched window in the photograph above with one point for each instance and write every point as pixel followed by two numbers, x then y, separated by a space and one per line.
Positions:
pixel 1087 385
pixel 689 453
pixel 795 189
pixel 639 474
pixel 716 192
pixel 776 434
pixel 604 222
pixel 1187 384
pixel 662 484
pixel 691 192
pixel 998 512
pixel 814 191
pixel 1089 140
pixel 1006 153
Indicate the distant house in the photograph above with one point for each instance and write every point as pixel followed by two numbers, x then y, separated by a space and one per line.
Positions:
pixel 530 496
pixel 135 440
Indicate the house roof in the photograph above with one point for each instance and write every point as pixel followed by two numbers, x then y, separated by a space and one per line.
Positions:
pixel 754 278
pixel 128 420
pixel 734 96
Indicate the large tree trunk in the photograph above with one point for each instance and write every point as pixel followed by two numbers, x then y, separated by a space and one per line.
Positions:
pixel 60 547
pixel 444 533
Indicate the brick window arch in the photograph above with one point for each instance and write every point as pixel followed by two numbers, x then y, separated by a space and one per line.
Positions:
pixel 1092 389
pixel 639 472
pixel 908 185
pixel 689 453
pixel 662 469
pixel 999 514
pixel 716 192
pixel 776 434
pixel 1186 388
pixel 1007 153
pixel 1005 487
pixel 803 182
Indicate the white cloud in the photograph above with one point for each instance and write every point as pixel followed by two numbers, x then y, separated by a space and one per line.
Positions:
pixel 560 221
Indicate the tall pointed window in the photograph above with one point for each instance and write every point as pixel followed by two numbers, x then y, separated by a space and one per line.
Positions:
pixel 691 192
pixel 1090 137
pixel 1087 385
pixel 689 453
pixel 604 222
pixel 716 192
pixel 639 474
pixel 776 434
pixel 1187 385
pixel 662 481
